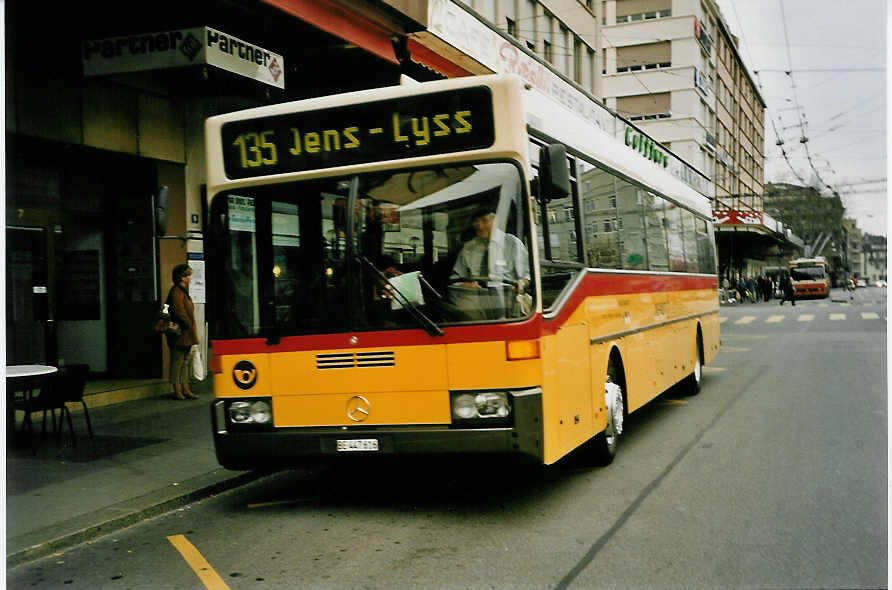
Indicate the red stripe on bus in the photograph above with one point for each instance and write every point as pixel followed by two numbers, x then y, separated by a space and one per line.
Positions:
pixel 605 283
pixel 593 284
pixel 526 330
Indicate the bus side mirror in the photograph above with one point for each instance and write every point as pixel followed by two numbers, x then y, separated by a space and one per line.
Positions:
pixel 554 172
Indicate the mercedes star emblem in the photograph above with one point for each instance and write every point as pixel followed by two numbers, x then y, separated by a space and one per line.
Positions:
pixel 358 408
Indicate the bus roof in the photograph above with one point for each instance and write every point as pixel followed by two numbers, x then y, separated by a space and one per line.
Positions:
pixel 817 260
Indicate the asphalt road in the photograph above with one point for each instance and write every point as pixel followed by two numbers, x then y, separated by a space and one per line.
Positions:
pixel 775 476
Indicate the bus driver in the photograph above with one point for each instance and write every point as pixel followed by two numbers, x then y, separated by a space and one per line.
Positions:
pixel 495 261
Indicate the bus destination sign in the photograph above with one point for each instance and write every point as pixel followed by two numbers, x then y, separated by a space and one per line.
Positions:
pixel 423 125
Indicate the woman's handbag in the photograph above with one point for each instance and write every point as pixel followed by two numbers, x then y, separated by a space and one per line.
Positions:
pixel 163 323
pixel 197 365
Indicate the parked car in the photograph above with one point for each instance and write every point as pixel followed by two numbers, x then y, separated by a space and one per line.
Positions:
pixel 880 283
pixel 862 283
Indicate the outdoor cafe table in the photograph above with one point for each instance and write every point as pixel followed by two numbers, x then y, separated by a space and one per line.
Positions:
pixel 24 378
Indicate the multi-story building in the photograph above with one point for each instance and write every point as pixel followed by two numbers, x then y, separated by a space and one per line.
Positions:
pixel 673 67
pixel 563 33
pixel 853 247
pixel 873 256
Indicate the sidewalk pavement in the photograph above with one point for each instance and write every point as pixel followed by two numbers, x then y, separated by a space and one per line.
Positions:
pixel 147 456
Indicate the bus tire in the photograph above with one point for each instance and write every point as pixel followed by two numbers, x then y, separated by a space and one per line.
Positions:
pixel 695 379
pixel 606 442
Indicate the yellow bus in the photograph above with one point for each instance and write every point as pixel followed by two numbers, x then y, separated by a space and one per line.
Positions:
pixel 457 268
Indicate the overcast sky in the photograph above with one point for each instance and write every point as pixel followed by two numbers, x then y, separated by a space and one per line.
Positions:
pixel 836 53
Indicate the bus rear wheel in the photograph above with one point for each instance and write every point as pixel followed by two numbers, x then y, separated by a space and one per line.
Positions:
pixel 695 378
pixel 607 441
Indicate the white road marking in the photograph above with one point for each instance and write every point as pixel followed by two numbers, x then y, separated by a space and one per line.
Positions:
pixel 723 319
pixel 775 319
pixel 747 319
pixel 837 317
pixel 869 315
pixel 806 317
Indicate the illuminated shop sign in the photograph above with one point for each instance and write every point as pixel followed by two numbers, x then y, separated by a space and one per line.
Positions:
pixel 425 125
pixel 182 48
pixel 646 147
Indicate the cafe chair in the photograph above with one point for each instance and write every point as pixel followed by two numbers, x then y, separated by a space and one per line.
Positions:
pixel 74 380
pixel 49 399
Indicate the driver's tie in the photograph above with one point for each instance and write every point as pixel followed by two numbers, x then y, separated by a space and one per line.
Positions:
pixel 484 262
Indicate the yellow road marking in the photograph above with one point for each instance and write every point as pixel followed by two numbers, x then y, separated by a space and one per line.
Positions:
pixel 735 349
pixel 210 578
pixel 775 319
pixel 714 369
pixel 672 402
pixel 747 319
pixel 806 317
pixel 837 316
pixel 869 315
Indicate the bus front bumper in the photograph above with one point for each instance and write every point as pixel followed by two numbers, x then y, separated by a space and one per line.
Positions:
pixel 285 447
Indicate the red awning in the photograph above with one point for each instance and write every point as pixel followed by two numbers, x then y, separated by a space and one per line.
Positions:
pixel 341 23
pixel 429 59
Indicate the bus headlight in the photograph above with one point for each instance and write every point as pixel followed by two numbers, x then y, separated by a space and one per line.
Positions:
pixel 485 408
pixel 250 412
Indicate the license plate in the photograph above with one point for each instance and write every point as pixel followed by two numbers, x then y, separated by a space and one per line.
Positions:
pixel 358 444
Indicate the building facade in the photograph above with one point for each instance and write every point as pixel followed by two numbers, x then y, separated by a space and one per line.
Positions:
pixel 854 249
pixel 874 262
pixel 674 68
pixel 106 120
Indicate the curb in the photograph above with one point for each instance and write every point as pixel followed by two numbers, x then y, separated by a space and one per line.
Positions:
pixel 80 529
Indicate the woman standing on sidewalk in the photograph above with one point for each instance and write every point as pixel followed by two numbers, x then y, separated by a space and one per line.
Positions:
pixel 182 311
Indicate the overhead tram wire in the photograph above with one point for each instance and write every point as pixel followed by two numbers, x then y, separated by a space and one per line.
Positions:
pixel 779 141
pixel 804 138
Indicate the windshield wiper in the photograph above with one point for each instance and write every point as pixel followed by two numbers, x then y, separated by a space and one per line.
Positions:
pixel 425 322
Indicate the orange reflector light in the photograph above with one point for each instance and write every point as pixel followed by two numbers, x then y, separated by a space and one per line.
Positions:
pixel 216 363
pixel 522 349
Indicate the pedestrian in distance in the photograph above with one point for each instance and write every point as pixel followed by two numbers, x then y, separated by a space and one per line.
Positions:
pixel 787 286
pixel 182 311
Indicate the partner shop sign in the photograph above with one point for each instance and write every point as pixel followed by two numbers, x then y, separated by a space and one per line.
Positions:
pixel 183 48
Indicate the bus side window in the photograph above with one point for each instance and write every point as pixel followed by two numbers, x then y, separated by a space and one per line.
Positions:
pixel 561 258
pixel 689 240
pixel 674 237
pixel 598 199
pixel 705 258
pixel 655 224
pixel 630 213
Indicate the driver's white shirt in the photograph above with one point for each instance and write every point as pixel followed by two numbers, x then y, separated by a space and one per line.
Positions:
pixel 508 259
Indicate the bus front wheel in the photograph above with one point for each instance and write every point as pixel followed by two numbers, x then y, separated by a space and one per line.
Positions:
pixel 607 441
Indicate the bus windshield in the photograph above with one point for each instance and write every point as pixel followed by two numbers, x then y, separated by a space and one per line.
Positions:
pixel 807 273
pixel 384 250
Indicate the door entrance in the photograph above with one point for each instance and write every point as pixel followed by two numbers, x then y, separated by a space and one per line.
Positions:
pixel 29 326
pixel 81 261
